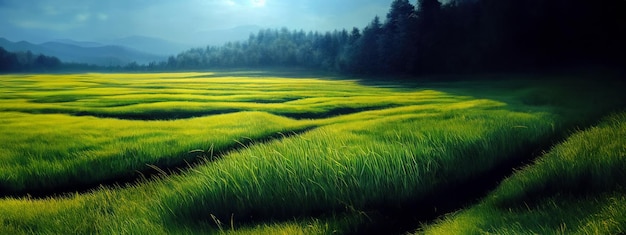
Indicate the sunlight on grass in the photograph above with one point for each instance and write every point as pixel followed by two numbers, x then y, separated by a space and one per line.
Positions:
pixel 50 150
pixel 171 96
pixel 44 150
pixel 357 150
pixel 376 163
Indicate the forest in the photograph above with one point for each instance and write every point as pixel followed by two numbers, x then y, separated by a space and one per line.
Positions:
pixel 462 36
pixel 458 37
pixel 27 61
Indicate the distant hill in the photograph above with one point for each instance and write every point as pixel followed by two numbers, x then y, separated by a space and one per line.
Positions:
pixel 18 46
pixel 152 45
pixel 83 52
pixel 79 43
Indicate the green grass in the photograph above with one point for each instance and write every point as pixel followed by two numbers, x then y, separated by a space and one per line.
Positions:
pixel 577 187
pixel 47 151
pixel 182 95
pixel 367 151
pixel 383 162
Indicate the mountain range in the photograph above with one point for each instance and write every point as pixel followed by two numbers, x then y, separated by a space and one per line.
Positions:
pixel 121 51
pixel 84 52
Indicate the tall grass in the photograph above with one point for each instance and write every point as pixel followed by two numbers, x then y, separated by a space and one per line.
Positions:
pixel 48 151
pixel 381 163
pixel 333 178
pixel 45 151
pixel 577 187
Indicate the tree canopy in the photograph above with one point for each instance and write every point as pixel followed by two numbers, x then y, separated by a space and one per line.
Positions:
pixel 26 61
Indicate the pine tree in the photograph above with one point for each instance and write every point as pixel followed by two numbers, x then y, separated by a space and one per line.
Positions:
pixel 398 54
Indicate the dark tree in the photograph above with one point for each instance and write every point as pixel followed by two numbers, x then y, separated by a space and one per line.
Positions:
pixel 427 39
pixel 398 54
pixel 8 61
pixel 27 62
pixel 367 56
pixel 47 63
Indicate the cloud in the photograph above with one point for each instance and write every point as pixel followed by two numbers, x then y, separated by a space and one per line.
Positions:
pixel 178 20
pixel 258 3
pixel 50 10
pixel 102 17
pixel 82 17
pixel 29 24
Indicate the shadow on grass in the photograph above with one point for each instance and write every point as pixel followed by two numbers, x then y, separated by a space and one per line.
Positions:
pixel 176 114
pixel 450 197
pixel 269 72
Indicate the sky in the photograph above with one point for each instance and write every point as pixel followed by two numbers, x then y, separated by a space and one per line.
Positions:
pixel 175 20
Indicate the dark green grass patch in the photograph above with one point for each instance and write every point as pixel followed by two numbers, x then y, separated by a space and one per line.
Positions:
pixel 577 187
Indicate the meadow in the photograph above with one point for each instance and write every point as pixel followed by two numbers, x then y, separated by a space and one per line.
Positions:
pixel 575 188
pixel 258 152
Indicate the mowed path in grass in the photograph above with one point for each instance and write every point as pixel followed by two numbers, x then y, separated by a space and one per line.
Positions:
pixel 366 148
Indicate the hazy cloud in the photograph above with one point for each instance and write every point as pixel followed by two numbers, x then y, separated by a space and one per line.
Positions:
pixel 176 20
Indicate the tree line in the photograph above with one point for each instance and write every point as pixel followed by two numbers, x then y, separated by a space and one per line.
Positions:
pixel 27 61
pixel 430 37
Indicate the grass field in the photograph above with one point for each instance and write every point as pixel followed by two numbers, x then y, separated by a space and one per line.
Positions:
pixel 575 188
pixel 257 153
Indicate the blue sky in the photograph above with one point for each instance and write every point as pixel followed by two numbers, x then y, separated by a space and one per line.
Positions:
pixel 175 20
